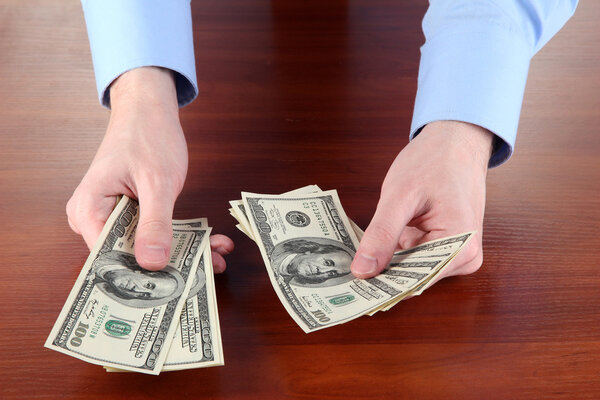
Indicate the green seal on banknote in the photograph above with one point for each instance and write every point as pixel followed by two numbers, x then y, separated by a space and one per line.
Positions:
pixel 117 328
pixel 340 300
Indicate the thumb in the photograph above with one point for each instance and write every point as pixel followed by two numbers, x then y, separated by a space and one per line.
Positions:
pixel 155 230
pixel 380 239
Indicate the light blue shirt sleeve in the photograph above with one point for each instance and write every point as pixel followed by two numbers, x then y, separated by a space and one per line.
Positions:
pixel 475 60
pixel 127 34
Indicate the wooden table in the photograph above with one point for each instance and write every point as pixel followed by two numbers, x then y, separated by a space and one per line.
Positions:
pixel 295 93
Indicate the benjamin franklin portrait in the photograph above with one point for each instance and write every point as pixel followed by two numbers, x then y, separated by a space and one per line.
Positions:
pixel 120 277
pixel 316 262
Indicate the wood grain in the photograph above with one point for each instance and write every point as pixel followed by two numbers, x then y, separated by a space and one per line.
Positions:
pixel 295 93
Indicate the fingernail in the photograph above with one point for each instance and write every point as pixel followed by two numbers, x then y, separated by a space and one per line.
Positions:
pixel 154 254
pixel 365 264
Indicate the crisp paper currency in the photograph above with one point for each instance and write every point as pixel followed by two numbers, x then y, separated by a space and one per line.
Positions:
pixel 307 244
pixel 190 223
pixel 243 230
pixel 415 268
pixel 118 314
pixel 357 230
pixel 238 210
pixel 197 343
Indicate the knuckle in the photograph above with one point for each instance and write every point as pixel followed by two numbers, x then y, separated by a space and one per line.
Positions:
pixel 471 252
pixel 75 208
pixel 382 233
pixel 161 182
pixel 473 260
pixel 70 207
pixel 154 225
pixel 78 211
pixel 73 226
pixel 472 267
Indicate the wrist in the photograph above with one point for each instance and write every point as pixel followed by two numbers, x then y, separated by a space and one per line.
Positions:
pixel 466 139
pixel 145 89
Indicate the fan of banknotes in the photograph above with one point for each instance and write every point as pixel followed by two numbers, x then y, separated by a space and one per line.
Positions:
pixel 307 243
pixel 125 318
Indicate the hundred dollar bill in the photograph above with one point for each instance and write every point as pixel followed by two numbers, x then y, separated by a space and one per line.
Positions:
pixel 238 210
pixel 118 314
pixel 197 342
pixel 308 244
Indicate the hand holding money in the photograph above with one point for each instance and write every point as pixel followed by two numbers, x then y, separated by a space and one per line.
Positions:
pixel 125 317
pixel 143 155
pixel 308 243
pixel 434 188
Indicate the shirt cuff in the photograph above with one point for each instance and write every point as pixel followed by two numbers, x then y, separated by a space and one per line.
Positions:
pixel 128 34
pixel 474 73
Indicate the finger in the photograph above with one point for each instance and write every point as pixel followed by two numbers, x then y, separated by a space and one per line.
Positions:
pixel 381 238
pixel 410 237
pixel 155 231
pixel 91 231
pixel 218 262
pixel 87 213
pixel 221 244
pixel 467 261
pixel 72 223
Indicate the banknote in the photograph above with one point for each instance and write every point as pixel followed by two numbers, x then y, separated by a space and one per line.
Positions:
pixel 120 315
pixel 414 269
pixel 197 342
pixel 238 210
pixel 308 243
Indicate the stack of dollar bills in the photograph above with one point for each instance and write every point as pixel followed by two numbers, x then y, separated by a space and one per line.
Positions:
pixel 307 243
pixel 126 318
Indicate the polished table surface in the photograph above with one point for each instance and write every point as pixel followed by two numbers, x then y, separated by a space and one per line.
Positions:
pixel 297 93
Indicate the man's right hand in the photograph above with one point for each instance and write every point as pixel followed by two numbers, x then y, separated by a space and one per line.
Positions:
pixel 143 155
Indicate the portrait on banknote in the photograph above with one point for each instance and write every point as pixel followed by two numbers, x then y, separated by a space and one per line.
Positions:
pixel 312 262
pixel 119 276
pixel 199 283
